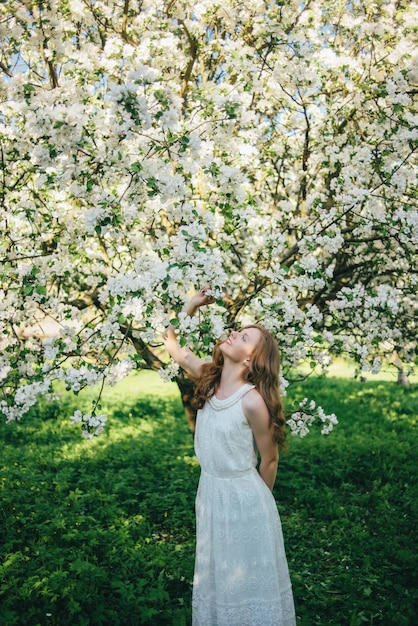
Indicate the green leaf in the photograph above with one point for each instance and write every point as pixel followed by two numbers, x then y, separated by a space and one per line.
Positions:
pixel 136 167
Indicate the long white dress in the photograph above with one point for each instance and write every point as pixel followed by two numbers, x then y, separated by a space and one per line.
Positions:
pixel 241 574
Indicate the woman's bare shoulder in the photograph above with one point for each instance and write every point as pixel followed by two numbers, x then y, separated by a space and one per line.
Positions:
pixel 253 402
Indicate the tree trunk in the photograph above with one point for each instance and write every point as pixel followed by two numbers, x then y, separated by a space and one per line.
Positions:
pixel 402 376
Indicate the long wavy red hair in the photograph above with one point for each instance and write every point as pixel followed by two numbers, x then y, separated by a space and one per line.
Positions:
pixel 263 372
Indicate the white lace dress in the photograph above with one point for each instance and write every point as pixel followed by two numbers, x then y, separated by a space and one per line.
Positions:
pixel 241 574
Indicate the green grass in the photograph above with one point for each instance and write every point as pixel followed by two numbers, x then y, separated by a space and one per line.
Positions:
pixel 350 505
pixel 102 531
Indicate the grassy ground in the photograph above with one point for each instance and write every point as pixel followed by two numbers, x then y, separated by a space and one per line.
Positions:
pixel 102 532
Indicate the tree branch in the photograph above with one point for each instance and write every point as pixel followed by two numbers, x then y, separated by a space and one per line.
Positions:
pixel 152 361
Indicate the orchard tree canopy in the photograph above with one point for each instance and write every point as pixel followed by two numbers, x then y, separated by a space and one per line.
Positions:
pixel 265 148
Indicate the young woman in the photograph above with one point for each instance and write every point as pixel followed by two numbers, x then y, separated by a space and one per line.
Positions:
pixel 241 575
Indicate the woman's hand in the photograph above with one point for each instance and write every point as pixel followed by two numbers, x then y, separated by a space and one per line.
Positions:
pixel 199 299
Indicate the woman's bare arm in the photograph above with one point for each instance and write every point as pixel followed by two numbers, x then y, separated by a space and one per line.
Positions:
pixel 182 355
pixel 256 412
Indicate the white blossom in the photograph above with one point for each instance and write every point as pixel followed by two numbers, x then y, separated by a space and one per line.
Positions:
pixel 169 372
pixel 302 420
pixel 92 425
pixel 136 173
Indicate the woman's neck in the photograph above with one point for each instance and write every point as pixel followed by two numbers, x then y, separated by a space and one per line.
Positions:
pixel 232 379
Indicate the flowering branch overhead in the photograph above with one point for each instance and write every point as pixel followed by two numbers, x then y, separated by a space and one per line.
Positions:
pixel 146 149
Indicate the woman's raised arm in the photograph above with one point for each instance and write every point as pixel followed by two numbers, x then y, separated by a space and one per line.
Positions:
pixel 182 355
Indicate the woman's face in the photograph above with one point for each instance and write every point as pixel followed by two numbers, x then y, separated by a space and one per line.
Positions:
pixel 241 344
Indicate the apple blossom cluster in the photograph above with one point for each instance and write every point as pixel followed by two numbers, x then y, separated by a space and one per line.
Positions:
pixel 267 150
pixel 24 398
pixel 302 420
pixel 92 425
pixel 169 372
pixel 76 378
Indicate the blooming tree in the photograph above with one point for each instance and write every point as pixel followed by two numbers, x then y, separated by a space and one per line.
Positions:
pixel 267 149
